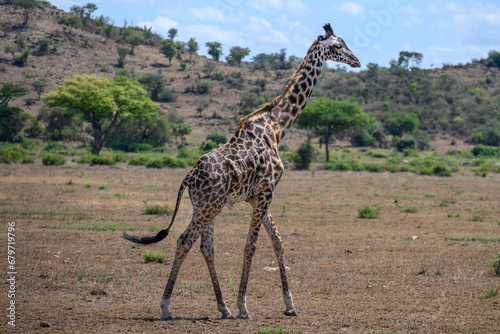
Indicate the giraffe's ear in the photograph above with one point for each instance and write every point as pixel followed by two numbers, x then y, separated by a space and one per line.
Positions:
pixel 328 30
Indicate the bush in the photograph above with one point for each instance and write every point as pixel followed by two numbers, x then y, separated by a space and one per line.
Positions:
pixel 406 142
pixel 139 160
pixel 22 59
pixel 496 265
pixel 203 86
pixel 43 45
pixel 217 137
pixel 11 155
pixel 208 146
pixel 53 159
pixel 485 151
pixel 303 157
pixel 368 212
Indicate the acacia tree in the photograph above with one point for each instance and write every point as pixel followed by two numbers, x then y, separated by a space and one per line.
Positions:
pixel 330 117
pixel 214 50
pixel 28 6
pixel 192 46
pixel 237 53
pixel 103 102
pixel 168 49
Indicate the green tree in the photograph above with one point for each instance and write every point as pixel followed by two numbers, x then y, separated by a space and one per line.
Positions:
pixel 61 123
pixel 407 58
pixel 167 47
pixel 122 54
pixel 192 47
pixel 154 83
pixel 214 50
pixel 181 130
pixel 172 32
pixel 493 59
pixel 330 117
pixel 43 45
pixel 28 6
pixel 10 48
pixel 39 86
pixel 303 157
pixel 72 21
pixel 237 53
pixel 12 119
pixel 22 58
pixel 103 102
pixel 135 40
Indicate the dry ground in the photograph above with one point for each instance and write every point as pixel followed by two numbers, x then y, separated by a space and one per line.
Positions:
pixel 347 275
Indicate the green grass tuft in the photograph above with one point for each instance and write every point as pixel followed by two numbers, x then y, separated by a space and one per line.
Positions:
pixel 369 212
pixel 154 256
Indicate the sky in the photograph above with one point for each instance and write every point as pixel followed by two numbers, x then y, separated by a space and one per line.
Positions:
pixel 445 32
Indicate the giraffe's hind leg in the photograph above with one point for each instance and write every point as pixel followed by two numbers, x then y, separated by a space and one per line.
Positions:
pixel 207 249
pixel 279 251
pixel 184 244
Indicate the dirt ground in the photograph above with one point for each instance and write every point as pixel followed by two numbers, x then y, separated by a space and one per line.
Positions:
pixel 403 272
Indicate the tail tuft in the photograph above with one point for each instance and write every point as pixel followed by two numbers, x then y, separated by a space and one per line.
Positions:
pixel 147 240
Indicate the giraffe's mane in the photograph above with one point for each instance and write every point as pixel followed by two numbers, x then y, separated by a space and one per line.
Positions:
pixel 285 90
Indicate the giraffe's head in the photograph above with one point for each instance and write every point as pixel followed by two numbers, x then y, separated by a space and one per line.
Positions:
pixel 336 49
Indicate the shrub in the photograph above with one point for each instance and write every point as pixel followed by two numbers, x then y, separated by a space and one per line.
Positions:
pixel 22 59
pixel 303 157
pixel 496 265
pixel 208 146
pixel 11 155
pixel 203 86
pixel 485 151
pixel 217 137
pixel 43 45
pixel 53 159
pixel 368 212
pixel 154 256
pixel 406 142
pixel 139 160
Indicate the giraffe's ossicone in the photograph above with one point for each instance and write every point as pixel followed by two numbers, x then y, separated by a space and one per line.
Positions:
pixel 247 168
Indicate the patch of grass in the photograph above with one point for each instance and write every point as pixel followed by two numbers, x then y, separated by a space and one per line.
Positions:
pixel 93 159
pixel 268 330
pixel 491 293
pixel 101 187
pixel 198 288
pixel 454 215
pixel 496 265
pixel 369 212
pixel 157 209
pixel 410 209
pixel 53 160
pixel 87 185
pixel 475 238
pixel 31 212
pixel 154 256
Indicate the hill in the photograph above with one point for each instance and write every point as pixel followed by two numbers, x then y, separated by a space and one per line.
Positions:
pixel 451 102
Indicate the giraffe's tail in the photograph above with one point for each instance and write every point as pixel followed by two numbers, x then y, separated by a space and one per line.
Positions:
pixel 163 233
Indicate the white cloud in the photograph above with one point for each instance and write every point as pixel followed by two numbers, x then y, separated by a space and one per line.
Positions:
pixel 208 13
pixel 439 49
pixel 160 24
pixel 264 31
pixel 413 21
pixel 351 8
pixel 211 33
pixel 266 6
pixel 296 7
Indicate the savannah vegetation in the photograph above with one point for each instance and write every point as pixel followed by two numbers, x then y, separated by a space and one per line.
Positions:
pixel 158 101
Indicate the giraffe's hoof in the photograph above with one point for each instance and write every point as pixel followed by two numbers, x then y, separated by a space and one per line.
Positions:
pixel 167 318
pixel 291 313
pixel 227 316
pixel 244 316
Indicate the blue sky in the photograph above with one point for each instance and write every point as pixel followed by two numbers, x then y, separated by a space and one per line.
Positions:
pixel 445 32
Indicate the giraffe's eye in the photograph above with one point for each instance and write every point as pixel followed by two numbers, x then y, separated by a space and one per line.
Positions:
pixel 337 45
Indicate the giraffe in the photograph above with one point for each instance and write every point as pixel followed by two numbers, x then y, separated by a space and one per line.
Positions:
pixel 247 168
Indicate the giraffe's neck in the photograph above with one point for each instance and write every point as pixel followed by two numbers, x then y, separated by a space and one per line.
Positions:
pixel 297 93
